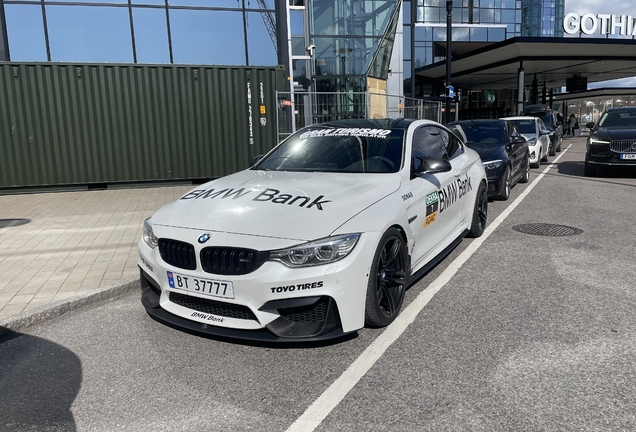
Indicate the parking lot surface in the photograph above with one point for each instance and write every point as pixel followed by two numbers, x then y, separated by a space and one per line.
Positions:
pixel 529 332
pixel 64 245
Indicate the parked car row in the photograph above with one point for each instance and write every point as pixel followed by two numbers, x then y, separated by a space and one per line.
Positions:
pixel 508 147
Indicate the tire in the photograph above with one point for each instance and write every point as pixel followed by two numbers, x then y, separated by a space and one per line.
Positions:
pixel 544 158
pixel 552 151
pixel 388 280
pixel 480 212
pixel 504 187
pixel 525 175
pixel 589 170
pixel 559 146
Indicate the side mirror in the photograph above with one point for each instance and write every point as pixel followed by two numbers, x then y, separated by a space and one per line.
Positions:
pixel 518 140
pixel 589 125
pixel 430 165
pixel 255 160
pixel 544 132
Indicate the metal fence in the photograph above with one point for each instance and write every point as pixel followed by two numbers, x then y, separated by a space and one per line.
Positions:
pixel 306 108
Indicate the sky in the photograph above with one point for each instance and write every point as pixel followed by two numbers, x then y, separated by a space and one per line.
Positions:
pixel 612 7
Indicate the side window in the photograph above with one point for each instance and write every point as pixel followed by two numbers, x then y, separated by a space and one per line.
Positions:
pixel 515 131
pixel 452 145
pixel 427 140
pixel 511 130
pixel 542 127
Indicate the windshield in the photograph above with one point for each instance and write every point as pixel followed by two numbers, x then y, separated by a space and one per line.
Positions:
pixel 547 119
pixel 525 126
pixel 618 119
pixel 328 149
pixel 483 135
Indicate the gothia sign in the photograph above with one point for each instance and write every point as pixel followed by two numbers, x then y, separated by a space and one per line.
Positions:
pixel 603 23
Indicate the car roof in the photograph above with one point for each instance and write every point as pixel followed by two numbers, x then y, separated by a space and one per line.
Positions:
pixel 478 121
pixel 521 118
pixel 537 108
pixel 621 109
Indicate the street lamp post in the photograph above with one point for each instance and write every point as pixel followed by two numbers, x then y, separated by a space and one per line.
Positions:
pixel 449 37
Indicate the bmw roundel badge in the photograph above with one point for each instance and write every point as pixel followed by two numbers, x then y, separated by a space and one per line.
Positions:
pixel 204 237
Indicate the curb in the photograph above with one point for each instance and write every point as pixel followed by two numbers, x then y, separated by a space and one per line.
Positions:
pixel 53 310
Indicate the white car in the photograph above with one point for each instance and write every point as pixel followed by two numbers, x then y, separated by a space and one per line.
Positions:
pixel 320 237
pixel 538 136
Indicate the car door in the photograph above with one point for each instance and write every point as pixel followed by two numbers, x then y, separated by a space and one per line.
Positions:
pixel 437 195
pixel 515 150
pixel 544 136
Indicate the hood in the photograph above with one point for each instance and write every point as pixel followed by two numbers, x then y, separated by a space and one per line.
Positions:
pixel 528 136
pixel 290 205
pixel 616 133
pixel 488 153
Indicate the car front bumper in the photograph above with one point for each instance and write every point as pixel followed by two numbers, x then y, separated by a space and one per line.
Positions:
pixel 273 303
pixel 535 150
pixel 602 155
pixel 494 181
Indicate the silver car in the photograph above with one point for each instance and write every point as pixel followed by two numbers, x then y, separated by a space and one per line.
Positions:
pixel 538 136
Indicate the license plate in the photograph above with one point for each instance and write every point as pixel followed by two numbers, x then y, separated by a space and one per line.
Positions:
pixel 208 287
pixel 628 156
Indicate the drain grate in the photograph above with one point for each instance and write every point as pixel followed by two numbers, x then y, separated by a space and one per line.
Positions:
pixel 6 223
pixel 547 230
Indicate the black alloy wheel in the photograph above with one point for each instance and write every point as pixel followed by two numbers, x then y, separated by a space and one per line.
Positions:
pixel 525 175
pixel 504 186
pixel 387 280
pixel 552 151
pixel 480 212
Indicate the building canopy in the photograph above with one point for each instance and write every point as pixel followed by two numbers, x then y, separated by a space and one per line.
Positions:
pixel 551 60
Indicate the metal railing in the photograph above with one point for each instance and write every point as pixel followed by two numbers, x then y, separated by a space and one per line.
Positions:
pixel 309 108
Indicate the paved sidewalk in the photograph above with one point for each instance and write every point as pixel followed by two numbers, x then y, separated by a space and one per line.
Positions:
pixel 71 244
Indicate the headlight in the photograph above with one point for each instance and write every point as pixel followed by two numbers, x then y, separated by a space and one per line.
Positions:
pixel 490 165
pixel 318 252
pixel 149 236
pixel 598 141
pixel 532 141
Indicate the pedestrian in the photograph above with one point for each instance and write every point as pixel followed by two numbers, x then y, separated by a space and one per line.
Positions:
pixel 572 123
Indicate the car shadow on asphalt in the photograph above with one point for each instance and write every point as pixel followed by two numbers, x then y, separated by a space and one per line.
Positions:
pixel 39 381
pixel 604 175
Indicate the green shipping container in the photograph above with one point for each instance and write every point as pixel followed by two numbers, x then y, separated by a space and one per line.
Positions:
pixel 83 124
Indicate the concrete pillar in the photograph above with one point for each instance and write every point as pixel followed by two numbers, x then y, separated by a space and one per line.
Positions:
pixel 520 86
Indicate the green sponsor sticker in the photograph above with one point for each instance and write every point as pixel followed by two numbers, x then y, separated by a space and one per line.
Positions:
pixel 431 198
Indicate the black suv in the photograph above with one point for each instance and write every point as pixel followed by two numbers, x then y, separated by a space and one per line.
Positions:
pixel 612 141
pixel 552 119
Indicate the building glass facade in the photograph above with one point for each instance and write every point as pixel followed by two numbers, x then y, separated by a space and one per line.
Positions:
pixel 219 32
pixel 333 45
pixel 542 18
pixel 348 35
pixel 475 23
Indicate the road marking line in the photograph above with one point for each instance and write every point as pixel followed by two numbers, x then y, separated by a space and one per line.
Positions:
pixel 322 406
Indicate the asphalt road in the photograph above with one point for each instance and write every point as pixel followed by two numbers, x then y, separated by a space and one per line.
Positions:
pixel 532 333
